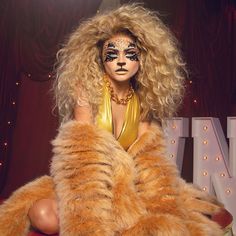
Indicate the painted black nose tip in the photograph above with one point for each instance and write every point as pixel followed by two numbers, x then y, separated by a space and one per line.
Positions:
pixel 121 63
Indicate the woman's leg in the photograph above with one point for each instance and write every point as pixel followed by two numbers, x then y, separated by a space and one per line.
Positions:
pixel 43 216
pixel 14 211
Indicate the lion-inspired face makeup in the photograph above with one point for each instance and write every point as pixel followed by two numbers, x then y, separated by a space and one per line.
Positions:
pixel 120 56
pixel 112 48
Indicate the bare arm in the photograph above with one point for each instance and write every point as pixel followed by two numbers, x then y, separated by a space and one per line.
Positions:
pixel 83 110
pixel 143 127
pixel 83 114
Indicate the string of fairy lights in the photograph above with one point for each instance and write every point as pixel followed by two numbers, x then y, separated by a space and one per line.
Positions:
pixel 9 120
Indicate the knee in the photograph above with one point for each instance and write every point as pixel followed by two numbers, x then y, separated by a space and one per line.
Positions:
pixel 43 216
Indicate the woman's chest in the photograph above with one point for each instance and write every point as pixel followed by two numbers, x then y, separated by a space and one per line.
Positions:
pixel 121 120
pixel 118 118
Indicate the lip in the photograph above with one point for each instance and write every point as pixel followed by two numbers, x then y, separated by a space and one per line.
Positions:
pixel 121 70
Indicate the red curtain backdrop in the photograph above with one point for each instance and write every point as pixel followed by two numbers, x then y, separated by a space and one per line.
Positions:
pixel 207 32
pixel 32 31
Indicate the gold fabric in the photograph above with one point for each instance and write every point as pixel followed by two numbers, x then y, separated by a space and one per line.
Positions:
pixel 129 131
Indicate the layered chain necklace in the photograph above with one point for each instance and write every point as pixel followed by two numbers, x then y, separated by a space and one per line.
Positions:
pixel 114 96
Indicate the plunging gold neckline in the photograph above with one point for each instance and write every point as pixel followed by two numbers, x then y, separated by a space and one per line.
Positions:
pixel 123 121
pixel 128 131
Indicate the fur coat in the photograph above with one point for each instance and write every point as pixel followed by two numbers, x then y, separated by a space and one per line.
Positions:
pixel 103 190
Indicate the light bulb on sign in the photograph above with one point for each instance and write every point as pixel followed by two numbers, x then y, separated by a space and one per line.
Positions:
pixel 173 141
pixel 228 191
pixel 205 142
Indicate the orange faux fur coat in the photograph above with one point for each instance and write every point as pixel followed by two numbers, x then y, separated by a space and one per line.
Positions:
pixel 103 190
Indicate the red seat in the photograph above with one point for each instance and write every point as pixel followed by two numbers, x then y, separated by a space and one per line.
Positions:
pixel 224 219
pixel 33 233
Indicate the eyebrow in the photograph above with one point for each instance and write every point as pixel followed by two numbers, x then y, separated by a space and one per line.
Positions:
pixel 116 50
pixel 132 45
pixel 131 49
pixel 111 50
pixel 110 45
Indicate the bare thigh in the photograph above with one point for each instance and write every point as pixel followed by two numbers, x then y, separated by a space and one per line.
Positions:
pixel 43 216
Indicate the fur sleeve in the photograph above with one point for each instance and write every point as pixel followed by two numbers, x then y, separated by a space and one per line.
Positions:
pixel 167 196
pixel 149 154
pixel 103 190
pixel 83 169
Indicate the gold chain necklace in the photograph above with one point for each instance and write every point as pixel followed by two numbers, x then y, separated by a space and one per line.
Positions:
pixel 114 96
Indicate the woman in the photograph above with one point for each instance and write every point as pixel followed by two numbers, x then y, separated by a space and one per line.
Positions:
pixel 118 76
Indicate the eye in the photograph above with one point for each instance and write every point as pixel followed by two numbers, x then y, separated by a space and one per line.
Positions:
pixel 132 55
pixel 110 56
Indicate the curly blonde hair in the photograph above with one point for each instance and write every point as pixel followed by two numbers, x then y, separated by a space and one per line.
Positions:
pixel 159 82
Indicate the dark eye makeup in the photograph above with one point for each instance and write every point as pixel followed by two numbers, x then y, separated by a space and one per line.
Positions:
pixel 111 55
pixel 132 55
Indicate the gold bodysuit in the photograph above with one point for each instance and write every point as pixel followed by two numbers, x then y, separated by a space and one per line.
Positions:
pixel 129 130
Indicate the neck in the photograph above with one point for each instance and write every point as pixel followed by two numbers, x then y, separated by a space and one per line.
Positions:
pixel 120 92
pixel 120 88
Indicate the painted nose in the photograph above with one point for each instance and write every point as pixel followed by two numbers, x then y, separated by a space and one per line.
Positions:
pixel 121 63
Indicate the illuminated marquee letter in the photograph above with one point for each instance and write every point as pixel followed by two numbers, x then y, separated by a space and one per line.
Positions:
pixel 213 170
pixel 176 130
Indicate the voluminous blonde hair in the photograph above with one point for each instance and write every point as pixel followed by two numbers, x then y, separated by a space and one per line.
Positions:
pixel 159 82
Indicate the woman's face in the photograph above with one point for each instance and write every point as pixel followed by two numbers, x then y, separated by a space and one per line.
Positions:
pixel 120 57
